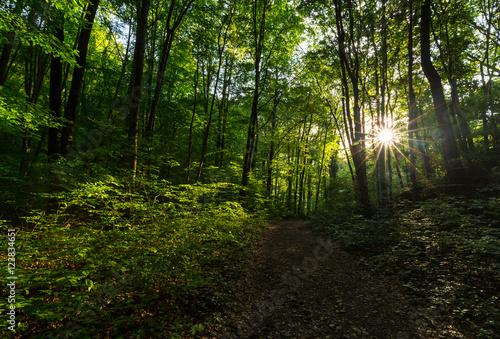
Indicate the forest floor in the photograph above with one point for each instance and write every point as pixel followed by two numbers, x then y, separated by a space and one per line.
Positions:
pixel 300 284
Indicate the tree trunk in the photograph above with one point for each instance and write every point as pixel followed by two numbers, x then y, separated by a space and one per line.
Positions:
pixel 289 179
pixel 76 84
pixel 384 157
pixel 412 121
pixel 136 84
pixel 271 147
pixel 423 146
pixel 191 124
pixel 451 155
pixel 357 151
pixel 164 56
pixel 321 167
pixel 222 34
pixel 55 101
pixel 122 73
pixel 222 116
pixel 259 29
pixel 5 56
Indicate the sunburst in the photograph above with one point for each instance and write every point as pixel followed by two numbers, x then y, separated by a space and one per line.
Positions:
pixel 386 136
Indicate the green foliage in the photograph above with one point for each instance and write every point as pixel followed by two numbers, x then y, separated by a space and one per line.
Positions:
pixel 104 260
pixel 10 22
pixel 18 115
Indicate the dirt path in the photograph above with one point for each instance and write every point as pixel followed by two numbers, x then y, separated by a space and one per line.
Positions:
pixel 302 285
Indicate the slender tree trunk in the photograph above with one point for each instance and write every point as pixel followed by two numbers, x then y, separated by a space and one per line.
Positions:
pixel 423 146
pixel 5 56
pixel 223 135
pixel 384 157
pixel 214 95
pixel 191 124
pixel 259 29
pixel 300 206
pixel 122 73
pixel 321 167
pixel 339 129
pixel 77 81
pixel 357 151
pixel 164 56
pixel 55 101
pixel 136 86
pixel 412 121
pixel 29 74
pixel 289 178
pixel 162 66
pixel 221 118
pixel 271 147
pixel 7 47
pixel 254 157
pixel 309 193
pixel 36 66
pixel 398 170
pixel 297 180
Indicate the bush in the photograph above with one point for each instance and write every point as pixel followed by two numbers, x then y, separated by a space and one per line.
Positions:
pixel 107 261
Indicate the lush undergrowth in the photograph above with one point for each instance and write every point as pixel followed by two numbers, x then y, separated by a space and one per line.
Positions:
pixel 444 251
pixel 98 262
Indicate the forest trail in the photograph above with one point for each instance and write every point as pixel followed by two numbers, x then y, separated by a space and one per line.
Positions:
pixel 299 284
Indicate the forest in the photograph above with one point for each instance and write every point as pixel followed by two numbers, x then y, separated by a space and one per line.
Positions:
pixel 147 147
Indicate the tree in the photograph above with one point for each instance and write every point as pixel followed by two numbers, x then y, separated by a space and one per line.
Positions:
pixel 171 25
pixel 350 68
pixel 55 101
pixel 412 113
pixel 451 155
pixel 281 18
pixel 222 37
pixel 77 80
pixel 136 85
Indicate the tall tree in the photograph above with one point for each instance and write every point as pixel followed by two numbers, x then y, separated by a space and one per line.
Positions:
pixel 136 84
pixel 55 100
pixel 451 155
pixel 77 79
pixel 412 113
pixel 260 9
pixel 222 37
pixel 172 23
pixel 350 68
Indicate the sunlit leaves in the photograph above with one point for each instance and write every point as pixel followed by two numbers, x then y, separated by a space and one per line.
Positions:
pixel 27 35
pixel 18 115
pixel 102 278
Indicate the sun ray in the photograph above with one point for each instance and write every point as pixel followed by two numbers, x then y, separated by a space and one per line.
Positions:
pixel 386 136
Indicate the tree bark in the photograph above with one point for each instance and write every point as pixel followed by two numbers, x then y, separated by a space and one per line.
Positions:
pixel 451 155
pixel 412 121
pixel 222 118
pixel 223 31
pixel 259 34
pixel 136 84
pixel 321 167
pixel 384 157
pixel 271 147
pixel 5 56
pixel 164 56
pixel 191 124
pixel 352 69
pixel 76 83
pixel 55 101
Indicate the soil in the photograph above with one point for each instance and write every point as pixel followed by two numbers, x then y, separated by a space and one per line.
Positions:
pixel 300 284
